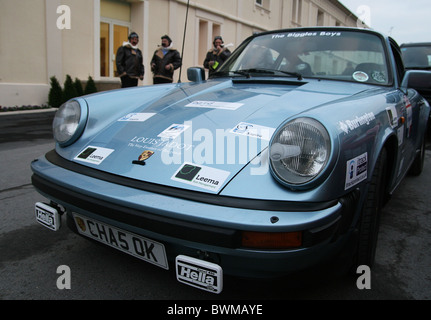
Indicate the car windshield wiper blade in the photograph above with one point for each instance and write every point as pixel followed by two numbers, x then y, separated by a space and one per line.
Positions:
pixel 246 72
pixel 295 74
pixel 219 74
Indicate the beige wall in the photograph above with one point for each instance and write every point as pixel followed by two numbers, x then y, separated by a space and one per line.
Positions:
pixel 22 41
pixel 32 48
pixel 77 43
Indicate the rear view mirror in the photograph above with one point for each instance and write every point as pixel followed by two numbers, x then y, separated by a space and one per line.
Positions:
pixel 196 74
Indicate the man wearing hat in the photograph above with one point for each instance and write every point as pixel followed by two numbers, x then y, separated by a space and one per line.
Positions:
pixel 129 62
pixel 165 61
pixel 216 56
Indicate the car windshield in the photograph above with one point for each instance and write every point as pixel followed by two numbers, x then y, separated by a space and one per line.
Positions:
pixel 418 57
pixel 334 54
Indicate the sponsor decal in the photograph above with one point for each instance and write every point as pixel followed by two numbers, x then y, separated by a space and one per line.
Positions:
pixel 328 34
pixel 350 125
pixel 409 111
pixel 360 76
pixel 94 155
pixel 392 116
pixel 379 76
pixel 356 171
pixel 215 105
pixel 159 144
pixel 400 135
pixel 173 131
pixel 136 117
pixel 201 176
pixel 253 130
pixel 200 274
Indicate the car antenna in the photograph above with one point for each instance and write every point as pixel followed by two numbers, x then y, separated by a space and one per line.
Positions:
pixel 184 39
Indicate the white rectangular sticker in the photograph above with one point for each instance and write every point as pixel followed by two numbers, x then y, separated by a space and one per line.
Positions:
pixel 392 116
pixel 356 171
pixel 94 155
pixel 136 117
pixel 253 130
pixel 201 176
pixel 133 244
pixel 215 105
pixel 173 131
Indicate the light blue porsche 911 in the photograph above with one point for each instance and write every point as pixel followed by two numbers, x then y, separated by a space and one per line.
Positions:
pixel 270 167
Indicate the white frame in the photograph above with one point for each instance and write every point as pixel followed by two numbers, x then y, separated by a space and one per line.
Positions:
pixel 112 50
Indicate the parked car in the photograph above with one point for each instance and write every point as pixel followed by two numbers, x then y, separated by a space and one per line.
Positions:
pixel 417 56
pixel 286 155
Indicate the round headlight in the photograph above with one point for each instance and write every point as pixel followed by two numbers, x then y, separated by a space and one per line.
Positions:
pixel 67 123
pixel 300 151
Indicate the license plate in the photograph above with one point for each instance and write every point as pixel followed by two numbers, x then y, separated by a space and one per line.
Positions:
pixel 47 216
pixel 133 244
pixel 200 274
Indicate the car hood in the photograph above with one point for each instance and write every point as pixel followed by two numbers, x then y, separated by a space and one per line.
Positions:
pixel 193 136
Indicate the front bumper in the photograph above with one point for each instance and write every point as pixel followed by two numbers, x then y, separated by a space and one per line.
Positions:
pixel 202 229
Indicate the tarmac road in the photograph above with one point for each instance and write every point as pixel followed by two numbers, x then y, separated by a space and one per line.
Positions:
pixel 31 254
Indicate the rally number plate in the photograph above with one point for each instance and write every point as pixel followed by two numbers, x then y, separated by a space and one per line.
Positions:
pixel 200 274
pixel 133 244
pixel 47 216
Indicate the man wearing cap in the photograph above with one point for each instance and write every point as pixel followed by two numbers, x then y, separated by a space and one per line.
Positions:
pixel 129 62
pixel 165 61
pixel 216 56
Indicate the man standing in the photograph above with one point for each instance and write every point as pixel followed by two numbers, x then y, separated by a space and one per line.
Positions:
pixel 165 61
pixel 129 62
pixel 216 56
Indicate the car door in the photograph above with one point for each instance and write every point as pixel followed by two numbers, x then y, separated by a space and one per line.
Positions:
pixel 408 107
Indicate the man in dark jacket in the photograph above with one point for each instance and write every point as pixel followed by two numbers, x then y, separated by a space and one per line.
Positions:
pixel 165 61
pixel 129 62
pixel 216 56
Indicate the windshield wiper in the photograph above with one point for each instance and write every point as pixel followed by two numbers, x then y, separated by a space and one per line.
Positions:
pixel 219 74
pixel 246 72
pixel 295 74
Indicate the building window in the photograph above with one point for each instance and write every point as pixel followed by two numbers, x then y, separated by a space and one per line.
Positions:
pixel 112 36
pixel 207 31
pixel 320 18
pixel 296 12
pixel 262 3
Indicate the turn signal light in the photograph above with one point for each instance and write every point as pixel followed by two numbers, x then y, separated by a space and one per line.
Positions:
pixel 271 240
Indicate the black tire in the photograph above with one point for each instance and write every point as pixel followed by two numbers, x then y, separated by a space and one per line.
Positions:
pixel 370 217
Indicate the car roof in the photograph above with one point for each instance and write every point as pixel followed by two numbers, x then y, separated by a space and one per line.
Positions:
pixel 416 44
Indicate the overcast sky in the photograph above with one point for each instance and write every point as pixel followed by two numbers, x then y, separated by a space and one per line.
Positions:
pixel 403 20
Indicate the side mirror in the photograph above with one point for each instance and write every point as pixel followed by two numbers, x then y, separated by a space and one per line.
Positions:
pixel 196 74
pixel 418 80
